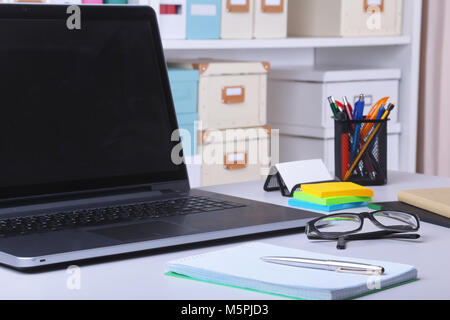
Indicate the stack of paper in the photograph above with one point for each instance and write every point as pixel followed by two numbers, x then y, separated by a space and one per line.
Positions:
pixel 242 267
pixel 331 196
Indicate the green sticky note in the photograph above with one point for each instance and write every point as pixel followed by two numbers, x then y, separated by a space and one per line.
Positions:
pixel 374 206
pixel 329 201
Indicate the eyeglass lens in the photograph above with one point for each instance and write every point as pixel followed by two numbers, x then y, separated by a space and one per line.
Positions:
pixel 391 219
pixel 344 223
pixel 347 223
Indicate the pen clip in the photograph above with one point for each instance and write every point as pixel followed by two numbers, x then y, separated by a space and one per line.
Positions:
pixel 364 271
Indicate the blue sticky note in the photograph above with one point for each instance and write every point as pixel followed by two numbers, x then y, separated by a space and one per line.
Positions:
pixel 318 207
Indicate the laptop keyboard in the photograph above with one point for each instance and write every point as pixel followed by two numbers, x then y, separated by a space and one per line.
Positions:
pixel 110 215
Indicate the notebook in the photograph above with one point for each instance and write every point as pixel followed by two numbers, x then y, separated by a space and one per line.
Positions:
pixel 242 267
pixel 328 208
pixel 434 200
pixel 337 189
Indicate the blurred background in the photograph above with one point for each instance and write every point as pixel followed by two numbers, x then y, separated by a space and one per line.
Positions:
pixel 265 68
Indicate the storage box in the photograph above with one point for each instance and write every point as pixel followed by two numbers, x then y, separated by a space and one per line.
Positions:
pixel 184 85
pixel 237 19
pixel 203 19
pixel 270 19
pixel 234 155
pixel 298 97
pixel 298 106
pixel 153 3
pixel 64 1
pixel 92 1
pixel 345 18
pixel 172 18
pixel 231 94
pixel 115 1
pixel 294 148
pixel 187 123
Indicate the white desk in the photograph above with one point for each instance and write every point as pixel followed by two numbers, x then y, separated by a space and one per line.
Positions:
pixel 143 277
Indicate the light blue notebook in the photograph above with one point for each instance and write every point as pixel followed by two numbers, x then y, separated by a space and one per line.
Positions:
pixel 242 267
pixel 331 208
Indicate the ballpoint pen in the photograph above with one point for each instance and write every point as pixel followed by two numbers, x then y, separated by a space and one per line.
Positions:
pixel 371 137
pixel 348 108
pixel 329 265
pixel 333 106
pixel 359 109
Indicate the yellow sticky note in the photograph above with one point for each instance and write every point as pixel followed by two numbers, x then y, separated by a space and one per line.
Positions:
pixel 336 189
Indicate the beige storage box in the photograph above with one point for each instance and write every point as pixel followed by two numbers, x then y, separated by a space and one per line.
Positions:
pixel 237 19
pixel 298 97
pixel 345 18
pixel 298 107
pixel 231 94
pixel 234 155
pixel 270 19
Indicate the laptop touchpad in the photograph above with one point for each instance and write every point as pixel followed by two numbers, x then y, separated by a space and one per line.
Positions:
pixel 144 231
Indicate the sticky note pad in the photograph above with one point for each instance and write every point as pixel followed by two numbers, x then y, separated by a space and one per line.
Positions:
pixel 329 201
pixel 336 189
pixel 318 207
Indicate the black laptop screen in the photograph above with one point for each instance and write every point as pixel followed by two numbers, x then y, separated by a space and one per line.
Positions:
pixel 83 109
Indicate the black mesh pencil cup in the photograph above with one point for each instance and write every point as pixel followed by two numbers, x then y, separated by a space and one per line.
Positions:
pixel 361 151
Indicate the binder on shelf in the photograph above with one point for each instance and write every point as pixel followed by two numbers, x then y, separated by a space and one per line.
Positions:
pixel 203 19
pixel 172 19
pixel 237 19
pixel 270 20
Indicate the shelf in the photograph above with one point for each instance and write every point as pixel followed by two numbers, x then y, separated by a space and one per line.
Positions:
pixel 285 43
pixel 321 133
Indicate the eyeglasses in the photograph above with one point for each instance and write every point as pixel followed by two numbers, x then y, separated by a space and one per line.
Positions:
pixel 345 226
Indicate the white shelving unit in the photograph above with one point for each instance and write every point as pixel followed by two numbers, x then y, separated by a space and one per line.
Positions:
pixel 383 52
pixel 283 43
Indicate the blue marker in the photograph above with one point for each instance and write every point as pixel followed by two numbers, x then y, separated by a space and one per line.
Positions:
pixel 359 110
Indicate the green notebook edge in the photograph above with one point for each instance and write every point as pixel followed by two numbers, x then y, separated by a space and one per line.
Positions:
pixel 329 201
pixel 181 276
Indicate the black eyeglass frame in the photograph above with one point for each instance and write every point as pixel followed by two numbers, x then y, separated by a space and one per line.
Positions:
pixel 311 228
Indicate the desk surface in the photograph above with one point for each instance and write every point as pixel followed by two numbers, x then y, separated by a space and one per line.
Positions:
pixel 143 277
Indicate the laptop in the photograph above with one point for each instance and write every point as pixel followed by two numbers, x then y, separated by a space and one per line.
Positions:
pixel 85 141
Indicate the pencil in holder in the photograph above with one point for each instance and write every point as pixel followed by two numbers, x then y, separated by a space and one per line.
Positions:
pixel 361 151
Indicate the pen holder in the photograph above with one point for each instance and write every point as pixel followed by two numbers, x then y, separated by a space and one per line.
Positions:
pixel 368 156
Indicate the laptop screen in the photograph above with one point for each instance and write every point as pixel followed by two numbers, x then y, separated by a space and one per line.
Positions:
pixel 83 109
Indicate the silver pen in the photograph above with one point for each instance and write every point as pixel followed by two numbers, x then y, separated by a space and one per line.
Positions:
pixel 329 265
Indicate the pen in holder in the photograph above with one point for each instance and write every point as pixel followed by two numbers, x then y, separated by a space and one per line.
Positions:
pixel 361 159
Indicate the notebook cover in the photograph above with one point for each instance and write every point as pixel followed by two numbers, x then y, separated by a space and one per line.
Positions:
pixel 329 201
pixel 337 189
pixel 241 267
pixel 434 200
pixel 331 208
pixel 180 276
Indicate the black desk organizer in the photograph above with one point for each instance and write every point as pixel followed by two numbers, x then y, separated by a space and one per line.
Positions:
pixel 372 168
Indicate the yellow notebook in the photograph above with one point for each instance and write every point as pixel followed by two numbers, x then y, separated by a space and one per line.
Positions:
pixel 336 189
pixel 434 200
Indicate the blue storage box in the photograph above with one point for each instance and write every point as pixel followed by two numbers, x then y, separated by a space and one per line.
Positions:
pixel 184 84
pixel 203 19
pixel 187 122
